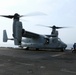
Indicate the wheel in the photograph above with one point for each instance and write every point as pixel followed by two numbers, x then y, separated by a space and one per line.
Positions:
pixel 62 49
pixel 27 48
pixel 21 47
pixel 37 48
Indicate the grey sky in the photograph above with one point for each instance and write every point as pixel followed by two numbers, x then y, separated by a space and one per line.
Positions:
pixel 59 12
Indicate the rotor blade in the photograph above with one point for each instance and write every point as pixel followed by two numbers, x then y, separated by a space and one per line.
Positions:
pixel 7 16
pixel 54 27
pixel 60 27
pixel 42 25
pixel 34 14
pixel 17 15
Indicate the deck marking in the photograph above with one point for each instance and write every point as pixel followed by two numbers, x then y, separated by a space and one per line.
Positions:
pixel 28 64
pixel 65 70
pixel 56 55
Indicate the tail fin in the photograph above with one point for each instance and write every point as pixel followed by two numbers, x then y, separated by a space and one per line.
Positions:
pixel 5 38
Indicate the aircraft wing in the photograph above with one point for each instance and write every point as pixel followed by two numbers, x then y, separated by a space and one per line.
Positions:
pixel 51 35
pixel 30 34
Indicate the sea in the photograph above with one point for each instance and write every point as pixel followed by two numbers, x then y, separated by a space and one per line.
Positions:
pixel 69 46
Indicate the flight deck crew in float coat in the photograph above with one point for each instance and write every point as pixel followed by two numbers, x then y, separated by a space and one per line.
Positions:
pixel 74 46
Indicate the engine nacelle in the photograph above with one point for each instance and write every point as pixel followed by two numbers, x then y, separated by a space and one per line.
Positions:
pixel 18 33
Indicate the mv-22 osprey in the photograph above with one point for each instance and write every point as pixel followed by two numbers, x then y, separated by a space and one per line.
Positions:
pixel 33 40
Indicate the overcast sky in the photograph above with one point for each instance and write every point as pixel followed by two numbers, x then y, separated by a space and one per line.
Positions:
pixel 59 13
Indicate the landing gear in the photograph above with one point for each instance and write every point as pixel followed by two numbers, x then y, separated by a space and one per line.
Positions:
pixel 37 48
pixel 21 47
pixel 27 48
pixel 62 49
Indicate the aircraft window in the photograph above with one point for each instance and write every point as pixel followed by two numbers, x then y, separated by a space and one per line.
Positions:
pixel 59 39
pixel 46 41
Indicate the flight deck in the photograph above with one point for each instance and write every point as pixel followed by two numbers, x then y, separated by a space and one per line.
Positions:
pixel 30 62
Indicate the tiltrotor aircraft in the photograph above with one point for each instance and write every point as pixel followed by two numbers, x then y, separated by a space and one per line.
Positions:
pixel 33 40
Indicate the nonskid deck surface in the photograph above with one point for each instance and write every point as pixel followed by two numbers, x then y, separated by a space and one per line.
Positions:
pixel 27 62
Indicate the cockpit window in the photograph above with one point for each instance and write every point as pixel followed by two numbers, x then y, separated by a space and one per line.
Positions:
pixel 59 39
